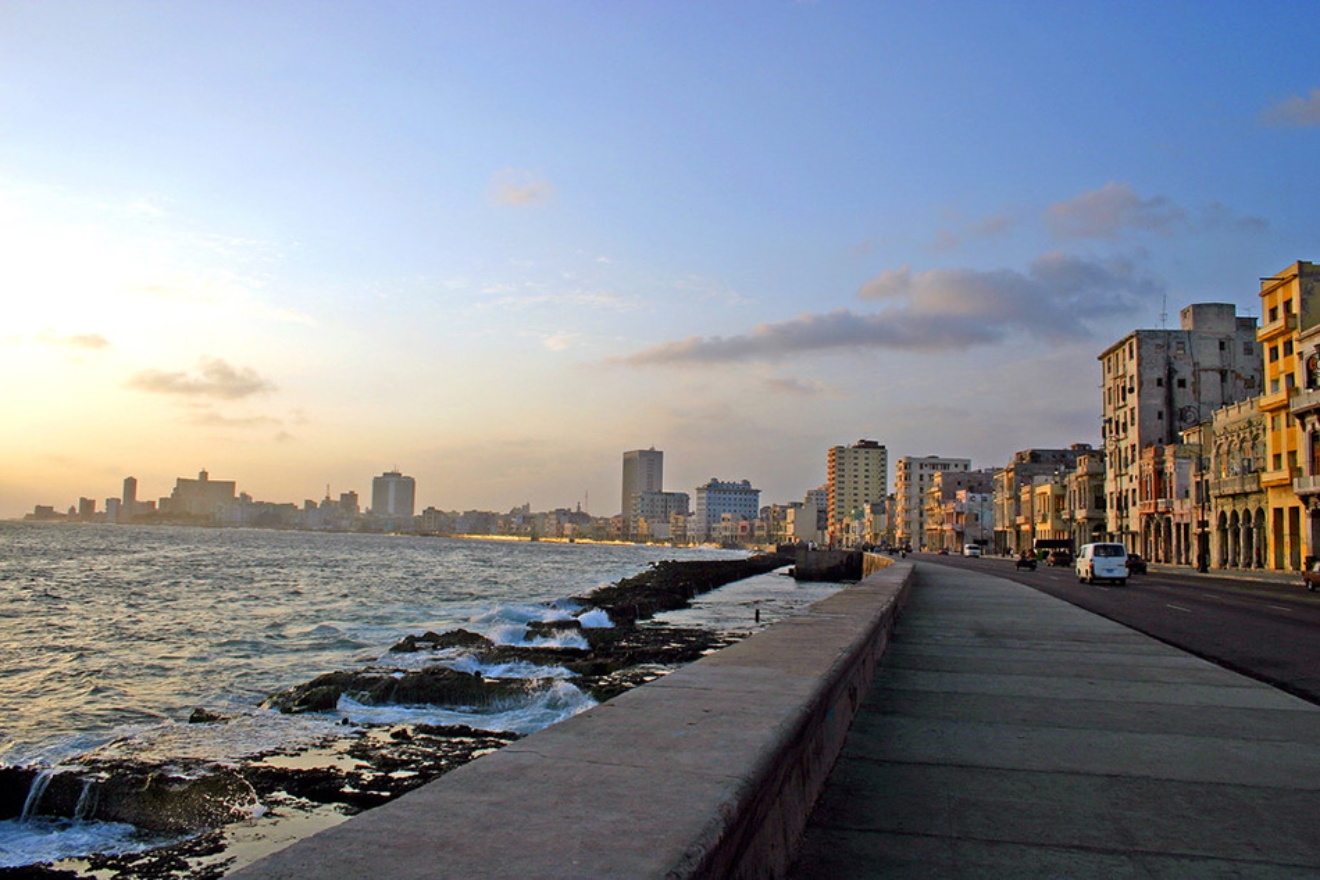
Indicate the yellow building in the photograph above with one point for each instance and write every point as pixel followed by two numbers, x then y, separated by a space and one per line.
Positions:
pixel 1290 305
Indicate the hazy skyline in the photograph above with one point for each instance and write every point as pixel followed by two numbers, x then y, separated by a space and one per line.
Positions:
pixel 496 245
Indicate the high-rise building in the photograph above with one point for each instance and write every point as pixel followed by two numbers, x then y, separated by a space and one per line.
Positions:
pixel 643 471
pixel 393 495
pixel 912 477
pixel 858 476
pixel 130 493
pixel 717 498
pixel 200 497
pixel 1157 383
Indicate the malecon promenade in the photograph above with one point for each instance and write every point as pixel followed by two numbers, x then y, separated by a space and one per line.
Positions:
pixel 1005 733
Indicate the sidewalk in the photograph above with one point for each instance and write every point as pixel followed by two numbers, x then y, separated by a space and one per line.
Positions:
pixel 1010 734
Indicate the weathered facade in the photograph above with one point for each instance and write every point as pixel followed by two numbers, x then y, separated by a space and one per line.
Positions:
pixel 1157 383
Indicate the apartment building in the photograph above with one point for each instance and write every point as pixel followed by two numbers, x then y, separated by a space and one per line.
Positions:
pixel 1014 516
pixel 913 476
pixel 1290 307
pixel 1157 383
pixel 858 478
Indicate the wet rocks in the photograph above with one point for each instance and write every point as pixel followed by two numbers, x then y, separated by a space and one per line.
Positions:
pixel 435 685
pixel 670 585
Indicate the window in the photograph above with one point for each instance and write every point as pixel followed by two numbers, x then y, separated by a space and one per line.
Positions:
pixel 1274 353
pixel 1182 383
pixel 1159 382
pixel 1274 314
pixel 1246 347
pixel 1287 347
pixel 1159 415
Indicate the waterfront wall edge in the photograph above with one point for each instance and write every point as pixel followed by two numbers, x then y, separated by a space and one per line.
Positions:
pixel 711 771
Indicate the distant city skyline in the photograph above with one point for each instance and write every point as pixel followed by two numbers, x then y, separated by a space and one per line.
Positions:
pixel 496 244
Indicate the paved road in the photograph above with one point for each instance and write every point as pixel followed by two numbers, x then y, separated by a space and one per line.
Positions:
pixel 1268 628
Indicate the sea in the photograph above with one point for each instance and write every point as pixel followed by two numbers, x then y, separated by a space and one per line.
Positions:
pixel 111 636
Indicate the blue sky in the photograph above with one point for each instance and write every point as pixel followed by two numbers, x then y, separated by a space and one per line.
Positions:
pixel 497 244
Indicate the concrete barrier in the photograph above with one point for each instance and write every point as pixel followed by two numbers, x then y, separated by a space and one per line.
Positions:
pixel 710 771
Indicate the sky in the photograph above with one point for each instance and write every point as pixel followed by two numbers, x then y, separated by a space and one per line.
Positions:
pixel 495 245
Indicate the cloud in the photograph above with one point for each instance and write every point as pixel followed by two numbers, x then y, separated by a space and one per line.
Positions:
pixel 796 387
pixel 1115 207
pixel 1055 300
pixel 211 419
pixel 512 186
pixel 213 378
pixel 1102 213
pixel 1294 112
pixel 77 340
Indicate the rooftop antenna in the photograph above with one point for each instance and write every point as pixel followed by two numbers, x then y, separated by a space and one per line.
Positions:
pixel 1164 311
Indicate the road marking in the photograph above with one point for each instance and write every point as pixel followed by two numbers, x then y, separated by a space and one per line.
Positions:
pixel 1178 607
pixel 1279 607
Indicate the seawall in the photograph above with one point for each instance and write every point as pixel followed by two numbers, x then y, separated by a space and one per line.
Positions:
pixel 710 771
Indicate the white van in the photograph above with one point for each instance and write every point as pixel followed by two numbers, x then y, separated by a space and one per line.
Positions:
pixel 971 549
pixel 1102 561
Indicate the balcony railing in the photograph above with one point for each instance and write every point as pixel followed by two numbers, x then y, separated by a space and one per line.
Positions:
pixel 1277 328
pixel 1243 484
pixel 1307 485
pixel 1276 400
pixel 1305 400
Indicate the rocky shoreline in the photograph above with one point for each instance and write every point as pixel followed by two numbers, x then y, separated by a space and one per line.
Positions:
pixel 215 807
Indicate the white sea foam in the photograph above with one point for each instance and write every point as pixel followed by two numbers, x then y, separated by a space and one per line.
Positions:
pixel 596 618
pixel 519 669
pixel 542 708
pixel 45 840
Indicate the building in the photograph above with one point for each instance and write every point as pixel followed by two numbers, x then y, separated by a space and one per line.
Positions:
pixel 393 496
pixel 643 471
pixel 858 477
pixel 1157 383
pixel 1301 279
pixel 651 513
pixel 200 497
pixel 1015 515
pixel 959 509
pixel 1086 498
pixel 1290 306
pixel 912 477
pixel 726 503
pixel 1232 508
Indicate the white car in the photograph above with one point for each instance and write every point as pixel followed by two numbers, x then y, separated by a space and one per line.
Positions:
pixel 1102 561
pixel 971 549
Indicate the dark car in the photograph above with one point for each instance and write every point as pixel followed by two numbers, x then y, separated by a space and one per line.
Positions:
pixel 1136 565
pixel 1059 557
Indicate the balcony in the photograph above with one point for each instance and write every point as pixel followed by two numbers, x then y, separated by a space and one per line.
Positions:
pixel 1307 485
pixel 1305 400
pixel 1279 479
pixel 1275 401
pixel 1275 329
pixel 1244 484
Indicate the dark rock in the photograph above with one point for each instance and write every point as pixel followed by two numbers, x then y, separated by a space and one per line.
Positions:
pixel 553 628
pixel 204 716
pixel 436 685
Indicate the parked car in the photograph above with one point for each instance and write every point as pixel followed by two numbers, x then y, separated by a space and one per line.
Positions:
pixel 1136 565
pixel 1059 557
pixel 971 549
pixel 1102 561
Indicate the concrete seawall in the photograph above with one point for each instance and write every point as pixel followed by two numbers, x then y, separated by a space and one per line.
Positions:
pixel 711 771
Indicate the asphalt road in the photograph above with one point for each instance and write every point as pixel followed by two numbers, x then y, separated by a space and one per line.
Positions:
pixel 1269 631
